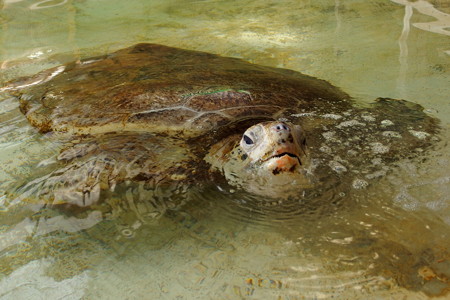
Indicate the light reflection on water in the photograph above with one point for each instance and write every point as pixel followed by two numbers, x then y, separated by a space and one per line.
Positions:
pixel 377 242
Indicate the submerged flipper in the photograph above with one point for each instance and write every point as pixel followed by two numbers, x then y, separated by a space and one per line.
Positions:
pixel 405 125
pixel 93 166
pixel 360 144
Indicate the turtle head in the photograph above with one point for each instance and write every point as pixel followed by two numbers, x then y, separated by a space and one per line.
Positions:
pixel 269 159
pixel 274 147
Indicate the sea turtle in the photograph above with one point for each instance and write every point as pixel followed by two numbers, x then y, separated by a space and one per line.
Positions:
pixel 161 116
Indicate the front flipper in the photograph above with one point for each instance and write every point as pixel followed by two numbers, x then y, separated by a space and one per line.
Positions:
pixel 92 166
pixel 356 146
pixel 404 125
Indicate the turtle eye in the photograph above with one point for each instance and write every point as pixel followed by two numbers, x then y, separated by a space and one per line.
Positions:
pixel 247 140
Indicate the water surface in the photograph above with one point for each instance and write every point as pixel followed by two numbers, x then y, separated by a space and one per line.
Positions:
pixel 389 240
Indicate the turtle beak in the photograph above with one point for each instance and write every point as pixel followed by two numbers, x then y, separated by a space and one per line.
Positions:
pixel 285 155
pixel 286 163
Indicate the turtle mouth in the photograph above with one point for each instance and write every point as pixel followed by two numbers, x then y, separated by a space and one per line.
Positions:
pixel 288 154
pixel 285 162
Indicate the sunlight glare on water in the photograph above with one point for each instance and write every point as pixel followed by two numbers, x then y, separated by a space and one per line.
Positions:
pixel 385 239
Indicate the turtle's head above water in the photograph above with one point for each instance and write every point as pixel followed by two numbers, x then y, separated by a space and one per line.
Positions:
pixel 269 159
pixel 275 147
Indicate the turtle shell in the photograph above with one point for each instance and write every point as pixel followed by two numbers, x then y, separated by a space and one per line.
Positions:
pixel 150 114
pixel 155 88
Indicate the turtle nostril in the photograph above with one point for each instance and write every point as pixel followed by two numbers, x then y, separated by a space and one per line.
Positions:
pixel 280 127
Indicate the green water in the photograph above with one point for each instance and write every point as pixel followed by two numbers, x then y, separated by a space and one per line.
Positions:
pixel 381 243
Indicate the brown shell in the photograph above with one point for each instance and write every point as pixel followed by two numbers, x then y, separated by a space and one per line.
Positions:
pixel 156 88
pixel 127 103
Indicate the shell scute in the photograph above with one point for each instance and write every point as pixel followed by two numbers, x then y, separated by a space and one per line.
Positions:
pixel 219 99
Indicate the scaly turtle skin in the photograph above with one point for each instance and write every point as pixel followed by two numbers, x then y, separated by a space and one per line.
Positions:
pixel 154 114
